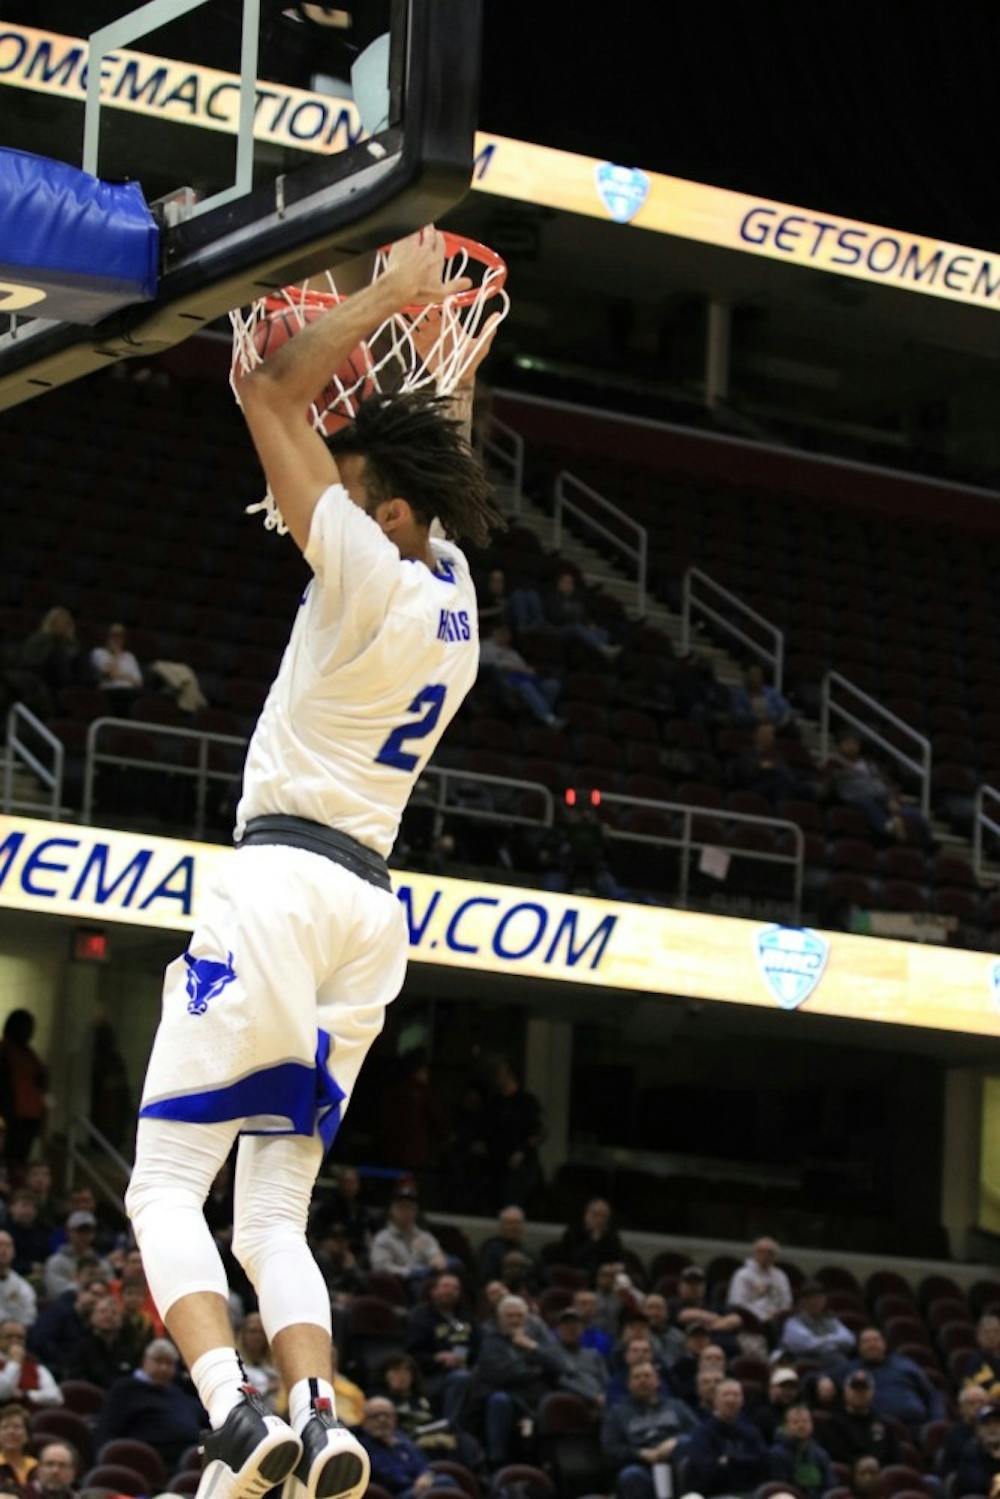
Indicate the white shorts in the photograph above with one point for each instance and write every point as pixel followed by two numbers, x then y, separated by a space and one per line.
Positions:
pixel 269 1014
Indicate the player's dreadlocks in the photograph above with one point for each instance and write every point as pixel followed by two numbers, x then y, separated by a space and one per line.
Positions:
pixel 414 449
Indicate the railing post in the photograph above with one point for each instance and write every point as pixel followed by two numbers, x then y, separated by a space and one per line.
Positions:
pixel 441 802
pixel 201 789
pixel 643 569
pixel 824 719
pixel 779 661
pixel 682 894
pixel 977 834
pixel 925 794
pixel 86 811
pixel 557 513
pixel 800 861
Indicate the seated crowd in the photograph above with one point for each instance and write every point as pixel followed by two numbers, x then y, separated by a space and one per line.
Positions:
pixel 601 1374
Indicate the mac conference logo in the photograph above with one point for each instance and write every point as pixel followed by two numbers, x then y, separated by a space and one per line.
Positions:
pixel 623 190
pixel 792 960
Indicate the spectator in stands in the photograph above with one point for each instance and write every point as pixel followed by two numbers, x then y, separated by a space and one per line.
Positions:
pixel 336 1259
pixel 972 1398
pixel 24 1079
pixel 22 1377
pixel 690 1308
pixel 726 1453
pixel 983 1367
pixel 668 1340
pixel 16 1462
pixel 566 615
pixel 398 1464
pixel 150 1406
pixel 979 1463
pixel 637 1349
pixel 513 1373
pixel 757 702
pixel 138 1327
pixel 509 1236
pixel 115 668
pixel 706 1382
pixel 576 856
pixel 346 1205
pixel 17 1299
pixel 759 1286
pixel 642 1431
pixel 414 1123
pixel 583 1370
pixel 902 1389
pixel 684 1372
pixel 763 768
pixel 592 1241
pixel 258 1364
pixel 494 601
pixel 866 1477
pixel 56 1474
pixel 594 1335
pixel 513 1131
pixel 31 1240
pixel 445 1344
pixel 797 1458
pixel 400 1382
pixel 52 652
pixel 814 1333
pixel 784 1390
pixel 857 1429
pixel 860 783
pixel 402 1248
pixel 103 1354
pixel 616 1295
pixel 63 1322
pixel 38 1180
pixel 512 673
pixel 61 1267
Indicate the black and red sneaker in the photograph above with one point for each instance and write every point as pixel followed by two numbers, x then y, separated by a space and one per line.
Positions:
pixel 251 1452
pixel 334 1465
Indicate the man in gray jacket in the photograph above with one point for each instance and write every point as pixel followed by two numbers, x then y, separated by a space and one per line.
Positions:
pixel 513 1373
pixel 642 1431
pixel 584 1372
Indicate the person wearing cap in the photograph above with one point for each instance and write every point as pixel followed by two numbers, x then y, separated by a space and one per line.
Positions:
pixel 726 1454
pixel 690 1308
pixel 814 1333
pixel 856 1429
pixel 971 1400
pixel 583 1371
pixel 902 1389
pixel 796 1457
pixel 60 1268
pixel 759 1286
pixel 648 1427
pixel 403 1249
pixel 784 1389
pixel 979 1463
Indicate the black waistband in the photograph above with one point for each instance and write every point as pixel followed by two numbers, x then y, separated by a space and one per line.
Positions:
pixel 316 838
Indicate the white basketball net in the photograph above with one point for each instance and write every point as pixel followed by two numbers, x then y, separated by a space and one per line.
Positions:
pixel 412 349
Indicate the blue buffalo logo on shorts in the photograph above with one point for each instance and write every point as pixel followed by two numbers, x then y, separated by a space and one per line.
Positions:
pixel 623 190
pixel 792 960
pixel 205 979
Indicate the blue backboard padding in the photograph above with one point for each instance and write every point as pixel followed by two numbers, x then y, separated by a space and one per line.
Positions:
pixel 92 246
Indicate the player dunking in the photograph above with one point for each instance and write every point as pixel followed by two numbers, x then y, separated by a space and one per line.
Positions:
pixel 301 945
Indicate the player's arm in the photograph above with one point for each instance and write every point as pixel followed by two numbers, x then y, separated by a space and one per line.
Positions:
pixel 276 396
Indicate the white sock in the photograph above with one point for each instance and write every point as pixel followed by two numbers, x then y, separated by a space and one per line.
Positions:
pixel 219 1379
pixel 300 1399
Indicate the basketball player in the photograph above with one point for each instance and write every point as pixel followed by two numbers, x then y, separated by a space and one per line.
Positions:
pixel 301 945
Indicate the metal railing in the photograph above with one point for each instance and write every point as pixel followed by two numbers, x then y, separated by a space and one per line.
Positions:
pixel 508 454
pixel 773 654
pixel 448 777
pixel 19 720
pixel 921 767
pixel 983 823
pixel 686 842
pixel 201 772
pixel 635 553
pixel 80 1132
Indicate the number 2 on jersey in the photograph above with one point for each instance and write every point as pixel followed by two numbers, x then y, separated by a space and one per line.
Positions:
pixel 431 699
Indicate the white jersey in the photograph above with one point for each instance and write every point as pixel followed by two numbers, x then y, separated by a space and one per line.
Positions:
pixel 380 658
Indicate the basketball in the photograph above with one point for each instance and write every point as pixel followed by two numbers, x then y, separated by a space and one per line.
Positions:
pixel 337 401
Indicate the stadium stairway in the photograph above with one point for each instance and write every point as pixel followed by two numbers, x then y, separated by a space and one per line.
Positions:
pixel 596 570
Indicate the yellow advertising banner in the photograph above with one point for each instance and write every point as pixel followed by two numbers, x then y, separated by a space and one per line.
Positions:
pixel 185 93
pixel 97 874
